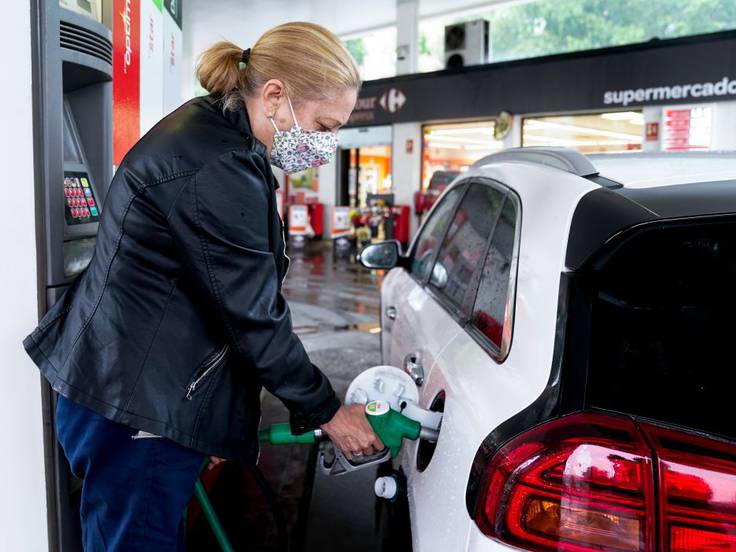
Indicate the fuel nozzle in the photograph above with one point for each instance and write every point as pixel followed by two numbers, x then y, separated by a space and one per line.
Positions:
pixel 391 426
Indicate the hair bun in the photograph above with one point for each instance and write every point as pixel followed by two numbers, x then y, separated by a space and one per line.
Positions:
pixel 246 56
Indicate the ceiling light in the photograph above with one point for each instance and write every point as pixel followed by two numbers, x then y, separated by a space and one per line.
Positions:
pixel 460 130
pixel 460 139
pixel 622 115
pixel 539 124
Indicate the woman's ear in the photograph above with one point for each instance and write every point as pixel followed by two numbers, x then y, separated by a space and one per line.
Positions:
pixel 272 95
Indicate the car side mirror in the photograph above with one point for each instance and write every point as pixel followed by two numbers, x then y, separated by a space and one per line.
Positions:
pixel 383 255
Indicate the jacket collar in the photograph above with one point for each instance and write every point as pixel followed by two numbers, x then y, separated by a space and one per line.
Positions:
pixel 238 118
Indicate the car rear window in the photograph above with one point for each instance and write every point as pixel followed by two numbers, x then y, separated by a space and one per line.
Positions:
pixel 663 331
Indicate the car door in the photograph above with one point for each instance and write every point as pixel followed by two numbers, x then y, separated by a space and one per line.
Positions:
pixel 408 338
pixel 477 249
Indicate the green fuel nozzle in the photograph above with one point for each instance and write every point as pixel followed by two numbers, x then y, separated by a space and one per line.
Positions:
pixel 390 426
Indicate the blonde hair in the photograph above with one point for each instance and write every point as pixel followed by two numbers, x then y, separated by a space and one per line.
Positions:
pixel 311 62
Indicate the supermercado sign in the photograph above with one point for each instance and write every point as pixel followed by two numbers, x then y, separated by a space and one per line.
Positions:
pixel 705 90
pixel 662 72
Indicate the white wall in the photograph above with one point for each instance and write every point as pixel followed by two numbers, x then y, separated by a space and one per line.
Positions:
pixel 23 496
pixel 328 193
pixel 652 114
pixel 724 126
pixel 407 167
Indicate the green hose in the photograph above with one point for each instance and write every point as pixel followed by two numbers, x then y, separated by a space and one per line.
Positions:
pixel 210 514
pixel 280 434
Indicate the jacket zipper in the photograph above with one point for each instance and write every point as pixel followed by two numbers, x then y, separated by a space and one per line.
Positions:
pixel 288 259
pixel 207 368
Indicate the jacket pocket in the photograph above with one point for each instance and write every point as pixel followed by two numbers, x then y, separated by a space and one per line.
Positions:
pixel 206 369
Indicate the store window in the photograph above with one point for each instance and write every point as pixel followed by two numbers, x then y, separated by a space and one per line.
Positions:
pixel 520 30
pixel 374 52
pixel 613 132
pixel 449 149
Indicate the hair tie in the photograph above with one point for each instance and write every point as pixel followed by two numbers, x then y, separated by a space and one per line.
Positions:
pixel 246 56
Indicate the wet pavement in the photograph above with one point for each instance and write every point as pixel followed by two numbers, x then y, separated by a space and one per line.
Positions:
pixel 335 311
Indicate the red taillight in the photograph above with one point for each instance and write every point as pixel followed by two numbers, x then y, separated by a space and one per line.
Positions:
pixel 588 482
pixel 697 491
pixel 579 483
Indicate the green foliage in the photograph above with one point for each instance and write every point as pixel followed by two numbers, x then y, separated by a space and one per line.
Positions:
pixel 424 49
pixel 545 27
pixel 356 47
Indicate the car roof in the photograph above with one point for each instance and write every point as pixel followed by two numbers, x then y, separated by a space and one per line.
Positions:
pixel 632 189
pixel 651 170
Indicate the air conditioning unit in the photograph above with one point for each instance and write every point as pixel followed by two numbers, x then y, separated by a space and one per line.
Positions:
pixel 467 43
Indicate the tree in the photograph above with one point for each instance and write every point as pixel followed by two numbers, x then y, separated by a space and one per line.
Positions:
pixel 356 47
pixel 545 27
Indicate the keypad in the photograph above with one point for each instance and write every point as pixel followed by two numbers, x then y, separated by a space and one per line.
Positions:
pixel 81 206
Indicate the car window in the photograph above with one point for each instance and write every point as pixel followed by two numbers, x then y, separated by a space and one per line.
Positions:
pixel 493 309
pixel 423 257
pixel 462 250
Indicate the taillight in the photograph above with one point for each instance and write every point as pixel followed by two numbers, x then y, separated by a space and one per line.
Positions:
pixel 697 490
pixel 582 482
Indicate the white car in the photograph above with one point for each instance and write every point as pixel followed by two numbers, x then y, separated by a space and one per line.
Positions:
pixel 574 318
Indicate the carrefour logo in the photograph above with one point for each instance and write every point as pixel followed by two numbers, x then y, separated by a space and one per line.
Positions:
pixel 392 100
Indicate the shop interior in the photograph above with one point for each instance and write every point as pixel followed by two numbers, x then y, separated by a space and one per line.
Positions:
pixel 614 132
pixel 453 147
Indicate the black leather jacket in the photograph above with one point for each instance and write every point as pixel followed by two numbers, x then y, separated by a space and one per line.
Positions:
pixel 179 318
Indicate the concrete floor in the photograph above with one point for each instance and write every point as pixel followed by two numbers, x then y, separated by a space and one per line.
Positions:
pixel 335 311
pixel 335 305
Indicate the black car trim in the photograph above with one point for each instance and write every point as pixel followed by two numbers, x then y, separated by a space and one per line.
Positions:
pixel 599 215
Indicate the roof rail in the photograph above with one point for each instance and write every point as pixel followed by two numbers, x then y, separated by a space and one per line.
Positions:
pixel 560 158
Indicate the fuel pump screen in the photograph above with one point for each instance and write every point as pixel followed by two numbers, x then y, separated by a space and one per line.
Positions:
pixel 77 255
pixel 80 204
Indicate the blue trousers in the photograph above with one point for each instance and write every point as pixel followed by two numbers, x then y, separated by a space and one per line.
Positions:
pixel 134 491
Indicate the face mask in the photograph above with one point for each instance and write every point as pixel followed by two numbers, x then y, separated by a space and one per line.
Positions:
pixel 297 149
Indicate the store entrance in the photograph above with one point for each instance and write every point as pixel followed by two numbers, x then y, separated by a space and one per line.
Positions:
pixel 368 175
pixel 364 166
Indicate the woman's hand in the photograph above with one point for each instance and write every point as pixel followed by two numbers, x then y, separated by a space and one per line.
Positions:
pixel 350 431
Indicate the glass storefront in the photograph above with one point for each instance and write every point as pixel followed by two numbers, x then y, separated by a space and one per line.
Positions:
pixel 617 131
pixel 449 149
pixel 374 52
pixel 536 28
pixel 369 173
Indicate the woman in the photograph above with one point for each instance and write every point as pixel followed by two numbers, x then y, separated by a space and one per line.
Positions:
pixel 159 350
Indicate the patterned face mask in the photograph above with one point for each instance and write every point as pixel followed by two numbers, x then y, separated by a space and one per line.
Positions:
pixel 297 149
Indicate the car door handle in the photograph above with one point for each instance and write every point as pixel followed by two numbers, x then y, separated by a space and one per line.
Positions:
pixel 413 367
pixel 391 313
